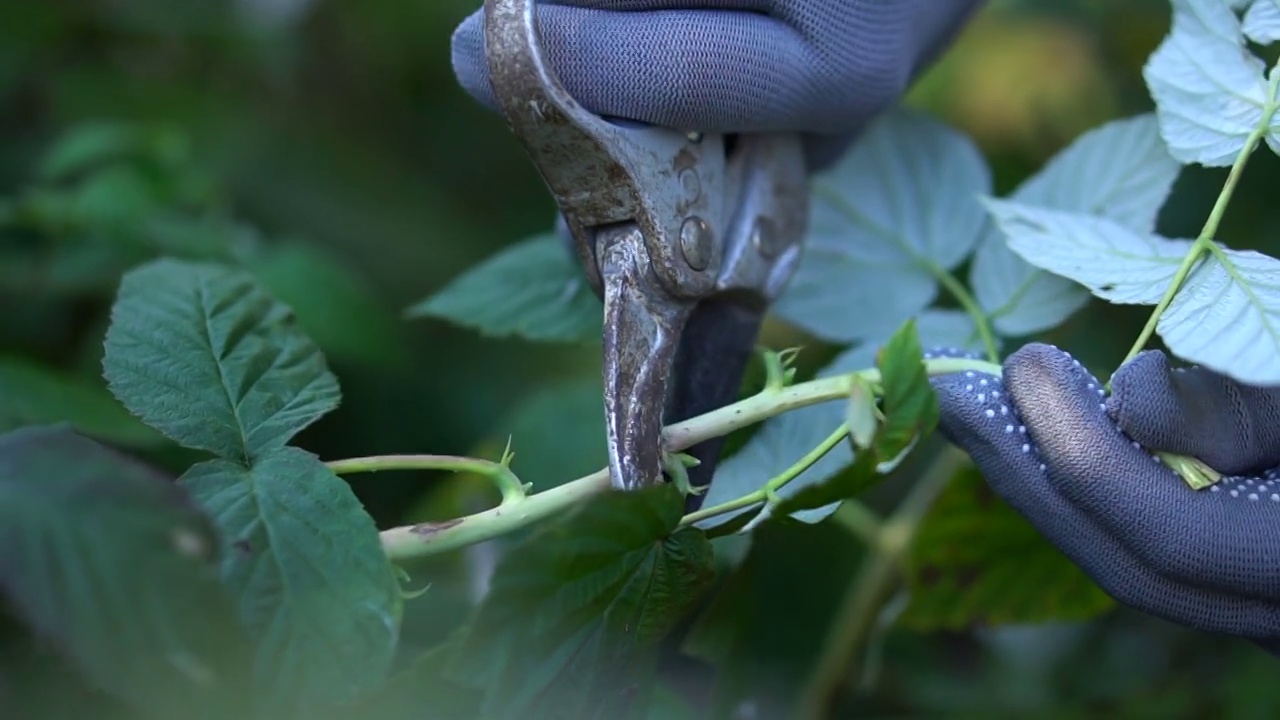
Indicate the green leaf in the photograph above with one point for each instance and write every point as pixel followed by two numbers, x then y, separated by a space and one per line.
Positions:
pixel 1226 316
pixel 558 433
pixel 574 617
pixel 1115 263
pixel 1121 171
pixel 909 403
pixel 305 566
pixel 532 290
pixel 1262 22
pixel 770 622
pixel 31 394
pixel 201 353
pixel 109 562
pixel 90 144
pixel 898 209
pixel 422 690
pixel 976 561
pixel 1210 92
pixel 333 306
pixel 860 415
pixel 783 440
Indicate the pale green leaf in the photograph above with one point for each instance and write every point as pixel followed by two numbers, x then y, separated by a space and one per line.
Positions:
pixel 111 564
pixel 1116 263
pixel 306 569
pixel 200 352
pixel 1226 317
pixel 1210 92
pixel 534 290
pixel 1121 171
pixel 1262 22
pixel 900 208
pixel 860 415
pixel 32 394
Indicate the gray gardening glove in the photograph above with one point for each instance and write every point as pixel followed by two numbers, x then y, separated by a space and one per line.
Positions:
pixel 820 67
pixel 1078 467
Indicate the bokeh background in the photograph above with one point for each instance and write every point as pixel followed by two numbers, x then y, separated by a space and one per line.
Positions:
pixel 325 144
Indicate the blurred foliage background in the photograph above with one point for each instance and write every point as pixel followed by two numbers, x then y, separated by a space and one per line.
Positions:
pixel 325 145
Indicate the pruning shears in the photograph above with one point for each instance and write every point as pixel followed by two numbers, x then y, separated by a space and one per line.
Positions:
pixel 687 238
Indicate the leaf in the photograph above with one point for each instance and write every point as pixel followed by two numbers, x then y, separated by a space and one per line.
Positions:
pixel 111 563
pixel 201 353
pixel 1262 22
pixel 1226 317
pixel 532 290
pixel 420 691
pixel 1121 171
pixel 976 561
pixel 558 433
pixel 860 415
pixel 31 394
pixel 1209 90
pixel 333 306
pixel 1116 264
pixel 575 616
pixel 783 440
pixel 90 144
pixel 305 566
pixel 899 209
pixel 768 625
pixel 909 403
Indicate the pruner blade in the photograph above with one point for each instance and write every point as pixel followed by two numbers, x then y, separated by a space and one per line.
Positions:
pixel 686 237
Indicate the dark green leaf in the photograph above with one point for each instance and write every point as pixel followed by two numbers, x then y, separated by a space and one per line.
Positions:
pixel 558 433
pixel 200 352
pixel 90 144
pixel 976 561
pixel 771 619
pixel 304 563
pixel 116 200
pixel 31 394
pixel 574 617
pixel 909 402
pixel 110 562
pixel 533 290
pixel 422 691
pixel 334 308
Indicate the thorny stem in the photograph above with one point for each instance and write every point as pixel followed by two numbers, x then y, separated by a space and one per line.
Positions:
pixel 1204 241
pixel 426 539
pixel 775 484
pixel 875 585
pixel 506 481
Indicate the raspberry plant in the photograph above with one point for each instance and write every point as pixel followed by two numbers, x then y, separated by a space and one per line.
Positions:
pixel 258 586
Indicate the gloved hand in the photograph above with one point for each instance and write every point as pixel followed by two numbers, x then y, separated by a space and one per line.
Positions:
pixel 819 67
pixel 1077 466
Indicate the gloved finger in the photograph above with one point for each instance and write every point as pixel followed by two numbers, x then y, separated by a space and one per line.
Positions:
pixel 827 71
pixel 1037 442
pixel 1233 427
pixel 1219 540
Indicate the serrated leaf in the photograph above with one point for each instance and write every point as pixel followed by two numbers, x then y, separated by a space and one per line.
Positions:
pixel 333 306
pixel 909 402
pixel 532 290
pixel 1262 22
pixel 898 209
pixel 783 440
pixel 1121 171
pixel 1226 316
pixel 31 394
pixel 1210 91
pixel 109 562
pixel 976 561
pixel 767 626
pixel 201 353
pixel 1116 263
pixel 305 566
pixel 574 617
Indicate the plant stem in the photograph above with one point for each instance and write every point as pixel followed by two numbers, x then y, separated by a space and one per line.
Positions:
pixel 1204 241
pixel 970 305
pixel 426 539
pixel 774 484
pixel 875 585
pixel 508 484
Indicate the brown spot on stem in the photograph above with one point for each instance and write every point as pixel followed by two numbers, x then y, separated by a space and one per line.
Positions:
pixel 431 528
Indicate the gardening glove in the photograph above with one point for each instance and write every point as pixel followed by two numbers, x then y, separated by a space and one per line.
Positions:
pixel 1079 466
pixel 819 67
